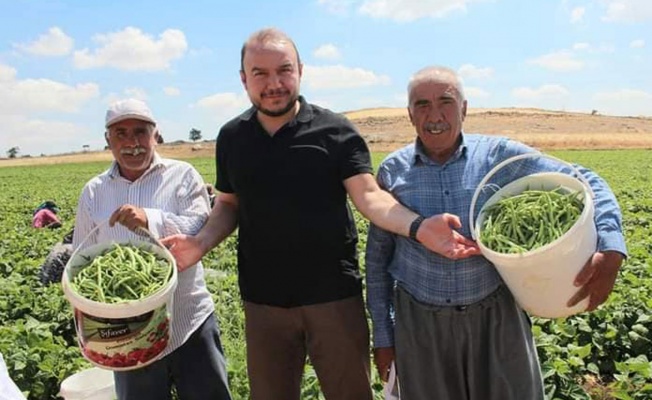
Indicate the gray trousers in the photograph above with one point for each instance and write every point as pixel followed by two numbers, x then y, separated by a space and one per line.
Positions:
pixel 483 351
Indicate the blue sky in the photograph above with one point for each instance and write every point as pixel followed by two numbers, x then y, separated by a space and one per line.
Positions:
pixel 63 61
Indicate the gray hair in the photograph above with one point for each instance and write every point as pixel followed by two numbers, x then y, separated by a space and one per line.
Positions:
pixel 439 74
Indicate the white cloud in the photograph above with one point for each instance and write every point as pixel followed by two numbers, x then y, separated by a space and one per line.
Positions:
pixel 53 43
pixel 7 73
pixel 223 106
pixel 605 48
pixel 577 15
pixel 628 10
pixel 327 52
pixel 30 134
pixel 561 61
pixel 171 91
pixel 45 94
pixel 132 50
pixel 136 93
pixel 601 48
pixel 581 46
pixel 638 43
pixel 341 77
pixel 336 6
pixel 219 108
pixel 410 10
pixel 632 102
pixel 540 93
pixel 41 95
pixel 469 71
pixel 472 93
pixel 21 102
pixel 221 100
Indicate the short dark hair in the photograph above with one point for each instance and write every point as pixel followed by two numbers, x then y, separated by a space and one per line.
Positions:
pixel 267 35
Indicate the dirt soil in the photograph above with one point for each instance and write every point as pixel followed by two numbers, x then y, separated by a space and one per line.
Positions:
pixel 387 129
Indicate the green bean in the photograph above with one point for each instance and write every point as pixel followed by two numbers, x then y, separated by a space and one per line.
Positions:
pixel 529 220
pixel 122 273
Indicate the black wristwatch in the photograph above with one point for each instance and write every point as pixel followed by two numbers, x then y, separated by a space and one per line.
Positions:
pixel 414 227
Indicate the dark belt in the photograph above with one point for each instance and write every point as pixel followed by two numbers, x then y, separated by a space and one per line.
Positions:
pixel 459 308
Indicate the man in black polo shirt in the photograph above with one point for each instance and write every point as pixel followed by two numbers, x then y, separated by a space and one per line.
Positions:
pixel 284 169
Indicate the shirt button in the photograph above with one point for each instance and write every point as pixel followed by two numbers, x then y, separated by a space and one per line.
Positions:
pixel 448 300
pixel 446 192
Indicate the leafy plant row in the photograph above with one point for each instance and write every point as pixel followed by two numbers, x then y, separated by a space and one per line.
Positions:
pixel 599 355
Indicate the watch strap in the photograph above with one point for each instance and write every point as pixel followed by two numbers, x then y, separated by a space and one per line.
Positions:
pixel 414 227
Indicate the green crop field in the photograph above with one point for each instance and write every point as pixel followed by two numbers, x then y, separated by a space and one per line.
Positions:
pixel 600 355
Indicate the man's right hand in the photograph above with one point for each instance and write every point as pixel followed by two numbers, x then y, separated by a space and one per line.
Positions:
pixel 383 357
pixel 438 233
pixel 186 250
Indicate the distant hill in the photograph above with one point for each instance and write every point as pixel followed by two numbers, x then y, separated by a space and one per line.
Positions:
pixel 387 129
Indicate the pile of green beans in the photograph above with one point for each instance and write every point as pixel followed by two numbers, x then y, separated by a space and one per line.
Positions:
pixel 122 273
pixel 529 220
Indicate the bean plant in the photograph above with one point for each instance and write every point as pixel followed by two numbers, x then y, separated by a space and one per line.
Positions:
pixel 604 354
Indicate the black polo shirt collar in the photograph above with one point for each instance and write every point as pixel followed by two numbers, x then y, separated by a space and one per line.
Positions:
pixel 305 113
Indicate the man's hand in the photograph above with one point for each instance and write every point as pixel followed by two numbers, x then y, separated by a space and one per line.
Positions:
pixel 186 249
pixel 437 233
pixel 130 216
pixel 597 279
pixel 383 357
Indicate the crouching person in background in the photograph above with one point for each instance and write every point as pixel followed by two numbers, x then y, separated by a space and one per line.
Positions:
pixel 45 216
pixel 142 190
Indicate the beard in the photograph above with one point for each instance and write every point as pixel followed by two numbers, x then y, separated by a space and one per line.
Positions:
pixel 280 112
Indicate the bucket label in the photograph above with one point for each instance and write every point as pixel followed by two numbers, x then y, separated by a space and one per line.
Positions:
pixel 123 343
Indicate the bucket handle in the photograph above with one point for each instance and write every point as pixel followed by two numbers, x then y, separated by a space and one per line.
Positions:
pixel 140 231
pixel 486 178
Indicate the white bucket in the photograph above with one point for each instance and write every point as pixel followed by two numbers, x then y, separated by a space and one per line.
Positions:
pixel 121 336
pixel 541 280
pixel 89 384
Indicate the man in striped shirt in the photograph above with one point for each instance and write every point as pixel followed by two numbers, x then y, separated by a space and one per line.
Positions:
pixel 142 190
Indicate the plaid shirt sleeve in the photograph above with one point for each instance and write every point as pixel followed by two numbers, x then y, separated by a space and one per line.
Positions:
pixel 380 284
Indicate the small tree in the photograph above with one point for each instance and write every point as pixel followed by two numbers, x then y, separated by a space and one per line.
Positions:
pixel 195 134
pixel 13 152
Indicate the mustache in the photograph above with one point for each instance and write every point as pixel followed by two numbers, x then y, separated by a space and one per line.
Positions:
pixel 436 128
pixel 133 151
pixel 274 92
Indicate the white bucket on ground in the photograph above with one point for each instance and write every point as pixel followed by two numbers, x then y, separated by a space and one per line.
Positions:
pixel 89 384
pixel 121 336
pixel 541 280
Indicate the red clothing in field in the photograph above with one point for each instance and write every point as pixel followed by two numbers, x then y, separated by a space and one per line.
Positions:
pixel 43 218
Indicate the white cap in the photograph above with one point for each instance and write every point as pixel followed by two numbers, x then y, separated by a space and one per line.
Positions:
pixel 128 109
